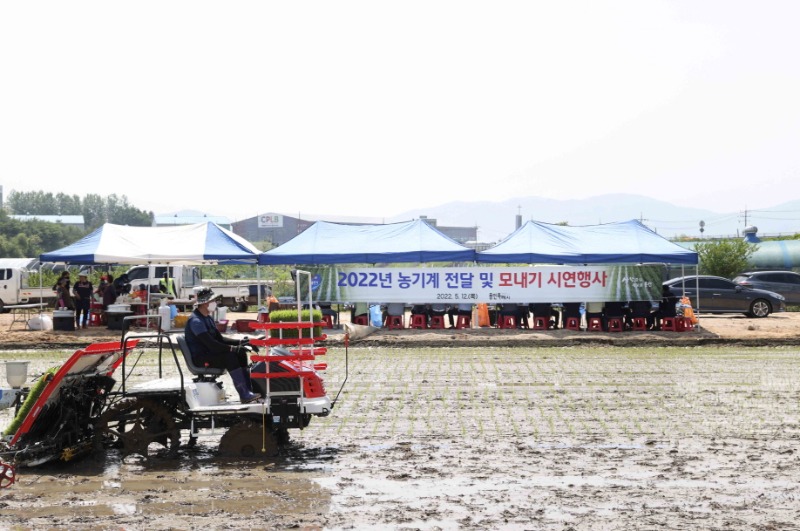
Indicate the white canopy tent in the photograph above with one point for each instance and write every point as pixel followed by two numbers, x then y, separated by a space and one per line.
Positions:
pixel 196 244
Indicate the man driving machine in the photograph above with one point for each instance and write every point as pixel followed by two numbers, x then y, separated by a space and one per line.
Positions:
pixel 211 349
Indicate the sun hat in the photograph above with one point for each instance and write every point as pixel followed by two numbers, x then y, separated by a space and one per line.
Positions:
pixel 205 295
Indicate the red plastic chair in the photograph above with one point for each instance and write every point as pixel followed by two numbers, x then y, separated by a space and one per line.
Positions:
pixel 540 323
pixel 615 324
pixel 669 324
pixel 395 322
pixel 419 321
pixel 507 321
pixel 437 321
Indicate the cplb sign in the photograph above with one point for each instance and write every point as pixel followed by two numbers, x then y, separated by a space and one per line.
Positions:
pixel 270 221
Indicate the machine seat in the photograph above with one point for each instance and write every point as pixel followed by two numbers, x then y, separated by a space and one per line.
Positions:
pixel 190 364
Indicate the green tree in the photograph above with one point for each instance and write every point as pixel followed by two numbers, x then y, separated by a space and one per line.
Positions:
pixel 94 208
pixel 23 203
pixel 29 239
pixel 724 258
pixel 68 205
pixel 94 211
pixel 120 212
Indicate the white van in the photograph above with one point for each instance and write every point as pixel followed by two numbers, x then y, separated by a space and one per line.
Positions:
pixel 187 280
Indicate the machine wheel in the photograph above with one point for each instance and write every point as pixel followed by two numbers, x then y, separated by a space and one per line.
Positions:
pixel 137 426
pixel 7 475
pixel 759 308
pixel 248 439
pixel 241 306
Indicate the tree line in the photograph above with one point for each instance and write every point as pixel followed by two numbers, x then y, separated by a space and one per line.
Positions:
pixel 23 239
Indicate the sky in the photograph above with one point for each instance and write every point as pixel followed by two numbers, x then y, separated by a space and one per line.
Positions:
pixel 374 108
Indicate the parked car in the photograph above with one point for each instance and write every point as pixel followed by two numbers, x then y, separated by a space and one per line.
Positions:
pixel 710 294
pixel 786 283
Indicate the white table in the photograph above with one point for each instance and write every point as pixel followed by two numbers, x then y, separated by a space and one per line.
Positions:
pixel 23 312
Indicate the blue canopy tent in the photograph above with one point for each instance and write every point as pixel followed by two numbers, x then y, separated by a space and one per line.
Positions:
pixel 610 243
pixel 200 243
pixel 335 243
pixel 196 244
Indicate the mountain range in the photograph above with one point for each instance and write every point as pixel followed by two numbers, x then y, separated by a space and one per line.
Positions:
pixel 496 220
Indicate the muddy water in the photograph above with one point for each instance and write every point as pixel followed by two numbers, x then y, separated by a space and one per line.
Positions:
pixel 479 439
pixel 195 489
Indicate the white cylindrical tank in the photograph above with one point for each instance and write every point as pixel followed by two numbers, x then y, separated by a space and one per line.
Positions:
pixel 166 317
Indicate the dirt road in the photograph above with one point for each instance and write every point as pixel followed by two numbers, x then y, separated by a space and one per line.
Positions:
pixel 783 328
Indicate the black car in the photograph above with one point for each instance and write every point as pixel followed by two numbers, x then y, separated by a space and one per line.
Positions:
pixel 786 283
pixel 720 295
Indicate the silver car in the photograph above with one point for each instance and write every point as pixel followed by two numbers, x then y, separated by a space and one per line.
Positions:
pixel 786 283
pixel 710 294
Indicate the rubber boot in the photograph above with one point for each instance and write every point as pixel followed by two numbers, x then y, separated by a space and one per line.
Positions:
pixel 240 378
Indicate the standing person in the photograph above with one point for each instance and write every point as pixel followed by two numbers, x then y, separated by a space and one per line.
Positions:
pixel 121 285
pixel 141 293
pixel 63 292
pixel 83 299
pixel 101 288
pixel 273 304
pixel 167 286
pixel 110 293
pixel 210 348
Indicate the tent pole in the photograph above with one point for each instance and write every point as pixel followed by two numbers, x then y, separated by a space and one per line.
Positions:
pixel 258 285
pixel 41 289
pixel 149 276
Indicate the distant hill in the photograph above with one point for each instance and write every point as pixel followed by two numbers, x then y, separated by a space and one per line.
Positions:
pixel 496 220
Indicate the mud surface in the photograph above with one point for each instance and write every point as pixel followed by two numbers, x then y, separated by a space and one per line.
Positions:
pixel 565 436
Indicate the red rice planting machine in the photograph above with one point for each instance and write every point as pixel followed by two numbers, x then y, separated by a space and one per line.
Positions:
pixel 81 407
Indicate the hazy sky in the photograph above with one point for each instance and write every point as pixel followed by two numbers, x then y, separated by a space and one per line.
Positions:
pixel 373 108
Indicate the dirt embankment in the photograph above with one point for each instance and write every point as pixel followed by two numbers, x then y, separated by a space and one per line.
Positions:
pixel 778 329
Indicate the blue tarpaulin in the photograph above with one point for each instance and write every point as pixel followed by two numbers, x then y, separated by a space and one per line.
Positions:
pixel 336 243
pixel 184 244
pixel 609 243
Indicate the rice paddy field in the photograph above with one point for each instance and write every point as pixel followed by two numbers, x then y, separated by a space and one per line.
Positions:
pixel 589 437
